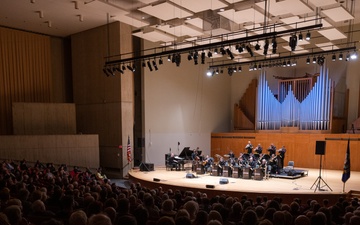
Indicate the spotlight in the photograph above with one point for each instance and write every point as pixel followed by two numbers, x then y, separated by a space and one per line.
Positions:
pixel 169 58
pixel 284 63
pixel 154 64
pixel 215 51
pixel 173 58
pixel 340 56
pixel 209 54
pixel 106 72
pixel 260 67
pixel 314 59
pixel 110 71
pixel 177 59
pixel 308 36
pixel 230 53
pixel 248 49
pixel 234 69
pixel 333 57
pixel 129 67
pixel 321 60
pixel 353 55
pixel 196 55
pixel 294 63
pixel 300 37
pixel 133 67
pixel 266 47
pixel 255 67
pixel 288 63
pixel 208 73
pixel 347 57
pixel 257 46
pixel 293 42
pixel 190 56
pixel 202 57
pixel 241 49
pixel 123 67
pixel 160 61
pixel 274 45
pixel 149 65
pixel 217 71
pixel 143 64
pixel 119 70
pixel 239 69
pixel 230 71
pixel 222 50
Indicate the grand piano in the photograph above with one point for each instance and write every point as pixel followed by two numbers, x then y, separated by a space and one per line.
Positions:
pixel 183 159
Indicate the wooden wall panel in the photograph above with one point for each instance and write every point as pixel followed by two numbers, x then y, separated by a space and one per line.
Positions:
pixel 73 150
pixel 300 147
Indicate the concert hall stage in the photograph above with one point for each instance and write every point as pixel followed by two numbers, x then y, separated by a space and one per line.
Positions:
pixel 287 189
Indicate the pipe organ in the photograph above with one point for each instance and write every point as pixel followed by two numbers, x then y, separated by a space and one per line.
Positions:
pixel 299 104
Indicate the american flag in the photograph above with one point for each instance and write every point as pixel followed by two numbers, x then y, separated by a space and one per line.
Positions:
pixel 128 150
pixel 346 171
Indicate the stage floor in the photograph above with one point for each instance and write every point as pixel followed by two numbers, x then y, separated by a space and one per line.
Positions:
pixel 272 185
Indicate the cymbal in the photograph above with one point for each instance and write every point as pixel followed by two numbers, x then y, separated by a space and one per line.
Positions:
pixel 217 155
pixel 227 156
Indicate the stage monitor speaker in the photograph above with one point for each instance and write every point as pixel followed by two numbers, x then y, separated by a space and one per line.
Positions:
pixel 320 148
pixel 190 175
pixel 210 186
pixel 224 181
pixel 147 167
pixel 156 179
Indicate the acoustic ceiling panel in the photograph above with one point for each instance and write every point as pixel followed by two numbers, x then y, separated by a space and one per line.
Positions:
pixel 327 46
pixel 294 7
pixel 180 31
pixel 296 21
pixel 197 22
pixel 338 14
pixel 131 21
pixel 332 34
pixel 154 36
pixel 243 16
pixel 233 1
pixel 165 11
pixel 320 3
pixel 106 7
pixel 200 5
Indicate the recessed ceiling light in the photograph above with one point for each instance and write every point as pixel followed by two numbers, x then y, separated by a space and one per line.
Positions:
pixel 222 10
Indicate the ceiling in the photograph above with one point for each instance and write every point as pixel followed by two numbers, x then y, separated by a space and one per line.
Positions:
pixel 188 21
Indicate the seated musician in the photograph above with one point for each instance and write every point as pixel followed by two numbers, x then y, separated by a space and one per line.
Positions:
pixel 231 154
pixel 272 149
pixel 207 163
pixel 195 155
pixel 273 164
pixel 173 162
pixel 258 149
pixel 221 165
pixel 249 147
pixel 264 166
pixel 252 164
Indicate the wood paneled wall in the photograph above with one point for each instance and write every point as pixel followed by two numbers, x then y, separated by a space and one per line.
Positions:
pixel 44 118
pixel 300 147
pixel 25 71
pixel 73 150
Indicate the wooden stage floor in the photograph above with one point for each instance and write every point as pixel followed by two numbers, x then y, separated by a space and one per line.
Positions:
pixel 271 187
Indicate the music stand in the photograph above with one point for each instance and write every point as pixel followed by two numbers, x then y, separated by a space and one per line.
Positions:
pixel 319 179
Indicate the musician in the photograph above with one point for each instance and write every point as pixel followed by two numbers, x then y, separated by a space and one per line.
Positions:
pixel 249 147
pixel 258 149
pixel 272 149
pixel 195 155
pixel 221 165
pixel 252 163
pixel 273 164
pixel 282 152
pixel 231 154
pixel 173 162
pixel 207 163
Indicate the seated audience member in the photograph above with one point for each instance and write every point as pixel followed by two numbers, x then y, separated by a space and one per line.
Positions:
pixel 78 217
pixel 99 219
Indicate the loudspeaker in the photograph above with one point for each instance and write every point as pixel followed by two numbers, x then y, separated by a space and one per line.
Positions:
pixel 210 186
pixel 320 148
pixel 224 181
pixel 147 167
pixel 156 179
pixel 190 175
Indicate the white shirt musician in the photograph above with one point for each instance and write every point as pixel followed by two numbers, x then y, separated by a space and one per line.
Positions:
pixel 249 147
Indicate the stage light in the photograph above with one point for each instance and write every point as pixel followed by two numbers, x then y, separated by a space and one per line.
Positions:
pixel 196 55
pixel 284 63
pixel 215 51
pixel 143 64
pixel 288 63
pixel 217 71
pixel 260 67
pixel 293 42
pixel 340 56
pixel 110 71
pixel 333 57
pixel 202 57
pixel 300 37
pixel 321 60
pixel 353 55
pixel 347 57
pixel 308 36
pixel 257 46
pixel 106 72
pixel 241 49
pixel 129 67
pixel 255 67
pixel 208 73
pixel 209 54
pixel 230 53
pixel 154 64
pixel 169 58
pixel 239 69
pixel 266 47
pixel 149 65
pixel 160 61
pixel 294 63
pixel 133 67
pixel 119 70
pixel 274 45
pixel 314 59
pixel 173 58
pixel 190 56
pixel 123 67
pixel 222 50
pixel 234 69
pixel 248 49
pixel 177 59
pixel 230 71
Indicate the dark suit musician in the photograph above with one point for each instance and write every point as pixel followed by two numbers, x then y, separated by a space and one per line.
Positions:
pixel 249 147
pixel 208 162
pixel 272 149
pixel 282 152
pixel 258 149
pixel 231 154
pixel 195 155
pixel 221 165
pixel 173 162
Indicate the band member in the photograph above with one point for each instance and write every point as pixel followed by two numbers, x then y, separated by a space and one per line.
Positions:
pixel 231 154
pixel 195 155
pixel 282 152
pixel 221 165
pixel 173 162
pixel 273 164
pixel 258 149
pixel 207 163
pixel 249 147
pixel 272 149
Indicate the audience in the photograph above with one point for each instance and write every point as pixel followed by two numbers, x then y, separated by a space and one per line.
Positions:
pixel 45 195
